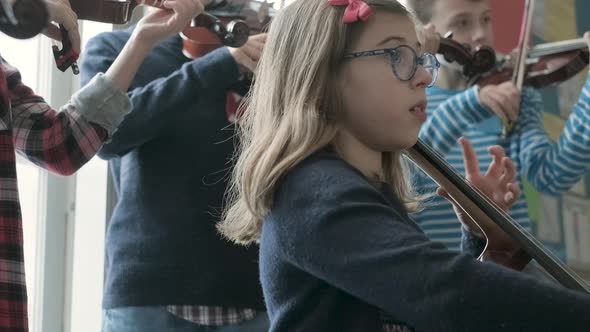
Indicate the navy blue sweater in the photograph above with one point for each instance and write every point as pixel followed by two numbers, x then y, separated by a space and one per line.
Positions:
pixel 170 163
pixel 337 254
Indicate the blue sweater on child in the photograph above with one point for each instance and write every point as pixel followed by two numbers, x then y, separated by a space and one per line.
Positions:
pixel 170 161
pixel 339 254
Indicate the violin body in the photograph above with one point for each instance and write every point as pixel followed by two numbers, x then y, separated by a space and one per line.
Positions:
pixel 546 65
pixel 206 31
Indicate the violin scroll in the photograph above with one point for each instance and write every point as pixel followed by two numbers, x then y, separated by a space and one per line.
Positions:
pixel 481 60
pixel 484 59
pixel 237 34
pixel 234 35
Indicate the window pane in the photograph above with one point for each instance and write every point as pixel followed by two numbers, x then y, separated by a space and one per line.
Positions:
pixel 28 187
pixel 23 54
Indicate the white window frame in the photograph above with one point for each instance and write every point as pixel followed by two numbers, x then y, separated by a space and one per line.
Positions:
pixel 83 287
pixel 61 247
pixel 56 204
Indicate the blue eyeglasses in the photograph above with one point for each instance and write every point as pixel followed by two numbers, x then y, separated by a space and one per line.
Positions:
pixel 404 61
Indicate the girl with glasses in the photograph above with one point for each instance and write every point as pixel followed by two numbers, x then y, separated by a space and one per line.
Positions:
pixel 319 182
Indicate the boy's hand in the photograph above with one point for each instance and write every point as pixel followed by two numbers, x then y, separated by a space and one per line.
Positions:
pixel 502 99
pixel 431 39
pixel 61 12
pixel 247 55
pixel 164 22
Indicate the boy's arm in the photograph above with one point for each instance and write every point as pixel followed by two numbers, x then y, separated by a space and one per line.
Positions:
pixel 451 117
pixel 554 167
pixel 63 141
pixel 157 104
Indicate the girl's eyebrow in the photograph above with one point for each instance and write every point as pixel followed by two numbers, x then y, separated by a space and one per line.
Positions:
pixel 399 40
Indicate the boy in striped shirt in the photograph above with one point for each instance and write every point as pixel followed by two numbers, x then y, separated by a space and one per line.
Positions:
pixel 477 113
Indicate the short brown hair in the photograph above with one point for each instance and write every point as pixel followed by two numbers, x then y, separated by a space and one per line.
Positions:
pixel 422 9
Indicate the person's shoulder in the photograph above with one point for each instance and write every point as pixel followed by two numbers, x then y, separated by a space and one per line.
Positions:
pixel 323 171
pixel 322 183
pixel 321 192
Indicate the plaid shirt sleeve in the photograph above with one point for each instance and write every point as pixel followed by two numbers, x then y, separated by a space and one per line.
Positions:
pixel 63 141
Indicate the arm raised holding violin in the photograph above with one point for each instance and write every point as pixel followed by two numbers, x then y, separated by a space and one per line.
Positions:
pixel 100 118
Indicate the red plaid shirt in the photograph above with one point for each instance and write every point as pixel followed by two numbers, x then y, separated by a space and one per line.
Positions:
pixel 212 315
pixel 58 141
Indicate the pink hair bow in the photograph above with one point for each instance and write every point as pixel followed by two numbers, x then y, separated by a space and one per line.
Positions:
pixel 355 9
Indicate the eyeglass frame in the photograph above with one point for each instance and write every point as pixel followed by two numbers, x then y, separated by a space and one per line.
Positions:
pixel 418 61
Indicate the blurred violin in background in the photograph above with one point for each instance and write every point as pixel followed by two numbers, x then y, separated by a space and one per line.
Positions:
pixel 546 65
pixel 205 33
pixel 25 19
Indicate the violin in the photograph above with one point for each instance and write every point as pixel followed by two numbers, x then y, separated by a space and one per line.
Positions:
pixel 546 65
pixel 208 32
pixel 223 25
pixel 205 29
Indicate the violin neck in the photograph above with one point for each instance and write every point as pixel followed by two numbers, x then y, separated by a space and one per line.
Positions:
pixel 558 47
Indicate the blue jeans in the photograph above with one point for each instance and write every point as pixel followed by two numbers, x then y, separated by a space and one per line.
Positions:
pixel 158 319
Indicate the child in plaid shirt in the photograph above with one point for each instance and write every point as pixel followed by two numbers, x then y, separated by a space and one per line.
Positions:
pixel 63 141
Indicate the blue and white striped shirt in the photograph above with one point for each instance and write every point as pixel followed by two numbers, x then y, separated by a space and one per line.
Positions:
pixel 550 167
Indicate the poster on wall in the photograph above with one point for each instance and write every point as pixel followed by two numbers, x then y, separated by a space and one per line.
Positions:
pixel 576 226
pixel 569 92
pixel 549 226
pixel 554 125
pixel 580 187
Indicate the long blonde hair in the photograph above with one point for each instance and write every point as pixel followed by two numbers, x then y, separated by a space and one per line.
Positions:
pixel 292 110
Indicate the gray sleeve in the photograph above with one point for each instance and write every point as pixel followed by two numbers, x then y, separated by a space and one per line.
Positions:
pixel 101 102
